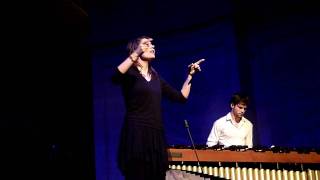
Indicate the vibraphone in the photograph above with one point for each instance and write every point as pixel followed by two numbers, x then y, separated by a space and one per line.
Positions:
pixel 247 164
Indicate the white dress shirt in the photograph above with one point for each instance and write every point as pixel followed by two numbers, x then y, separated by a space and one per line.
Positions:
pixel 227 132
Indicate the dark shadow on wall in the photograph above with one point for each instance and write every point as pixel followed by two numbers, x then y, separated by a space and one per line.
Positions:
pixel 46 118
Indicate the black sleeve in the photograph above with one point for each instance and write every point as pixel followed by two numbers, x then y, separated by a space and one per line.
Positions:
pixel 171 93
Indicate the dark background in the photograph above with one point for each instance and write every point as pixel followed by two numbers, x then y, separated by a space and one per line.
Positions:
pixel 61 116
pixel 46 94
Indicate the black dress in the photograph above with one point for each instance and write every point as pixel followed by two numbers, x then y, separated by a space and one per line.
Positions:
pixel 142 140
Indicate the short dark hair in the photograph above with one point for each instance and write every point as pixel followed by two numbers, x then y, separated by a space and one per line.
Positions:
pixel 134 43
pixel 239 97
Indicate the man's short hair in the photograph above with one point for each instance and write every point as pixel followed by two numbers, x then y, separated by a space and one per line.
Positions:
pixel 239 98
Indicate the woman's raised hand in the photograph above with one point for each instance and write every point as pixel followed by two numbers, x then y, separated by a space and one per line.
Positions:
pixel 195 67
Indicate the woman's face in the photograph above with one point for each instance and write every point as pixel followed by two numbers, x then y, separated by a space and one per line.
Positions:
pixel 147 48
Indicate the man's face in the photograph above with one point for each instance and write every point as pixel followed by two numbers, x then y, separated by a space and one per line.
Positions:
pixel 238 110
pixel 148 49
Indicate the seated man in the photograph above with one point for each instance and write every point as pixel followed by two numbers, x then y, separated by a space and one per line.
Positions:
pixel 233 128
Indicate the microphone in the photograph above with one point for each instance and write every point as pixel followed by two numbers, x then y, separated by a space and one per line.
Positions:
pixel 194 148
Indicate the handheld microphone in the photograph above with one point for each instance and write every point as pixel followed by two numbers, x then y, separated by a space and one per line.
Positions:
pixel 194 148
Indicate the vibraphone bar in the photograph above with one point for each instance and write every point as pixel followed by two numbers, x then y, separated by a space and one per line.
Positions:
pixel 247 164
